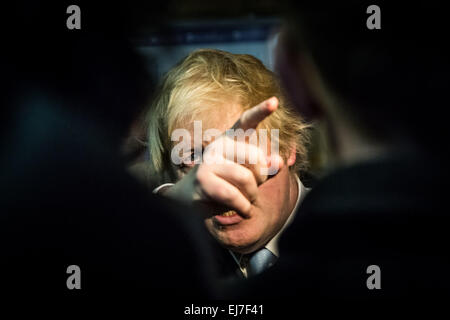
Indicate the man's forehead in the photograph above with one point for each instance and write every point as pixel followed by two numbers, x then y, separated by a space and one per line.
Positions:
pixel 221 117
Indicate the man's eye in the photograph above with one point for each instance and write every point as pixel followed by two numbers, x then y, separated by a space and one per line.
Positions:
pixel 191 159
pixel 185 167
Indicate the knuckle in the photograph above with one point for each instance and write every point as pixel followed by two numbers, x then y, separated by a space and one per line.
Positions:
pixel 247 207
pixel 225 194
pixel 244 116
pixel 246 177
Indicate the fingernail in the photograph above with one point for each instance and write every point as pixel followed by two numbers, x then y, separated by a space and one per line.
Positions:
pixel 272 103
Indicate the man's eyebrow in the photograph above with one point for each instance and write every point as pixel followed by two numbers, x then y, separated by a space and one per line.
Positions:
pixel 203 148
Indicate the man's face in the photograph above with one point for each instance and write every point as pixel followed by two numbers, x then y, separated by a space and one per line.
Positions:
pixel 270 210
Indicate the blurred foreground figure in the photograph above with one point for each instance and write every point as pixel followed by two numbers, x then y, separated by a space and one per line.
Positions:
pixel 376 225
pixel 65 197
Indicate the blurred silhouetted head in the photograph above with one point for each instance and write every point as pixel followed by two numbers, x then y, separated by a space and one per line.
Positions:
pixel 392 81
pixel 93 72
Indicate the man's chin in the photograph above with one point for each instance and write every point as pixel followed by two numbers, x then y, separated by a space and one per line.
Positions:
pixel 241 249
pixel 229 240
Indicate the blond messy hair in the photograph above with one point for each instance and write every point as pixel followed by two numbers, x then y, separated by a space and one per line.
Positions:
pixel 206 79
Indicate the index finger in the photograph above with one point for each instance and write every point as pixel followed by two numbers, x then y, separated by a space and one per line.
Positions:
pixel 252 117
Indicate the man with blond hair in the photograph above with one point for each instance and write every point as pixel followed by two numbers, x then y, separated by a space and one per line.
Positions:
pixel 222 135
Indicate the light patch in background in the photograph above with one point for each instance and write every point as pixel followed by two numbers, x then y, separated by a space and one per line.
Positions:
pixel 257 37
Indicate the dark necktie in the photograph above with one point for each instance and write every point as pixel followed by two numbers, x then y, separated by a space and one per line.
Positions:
pixel 260 261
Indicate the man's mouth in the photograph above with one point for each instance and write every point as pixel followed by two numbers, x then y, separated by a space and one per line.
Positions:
pixel 228 218
pixel 228 213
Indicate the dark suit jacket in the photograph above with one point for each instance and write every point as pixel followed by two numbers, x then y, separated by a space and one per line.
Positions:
pixel 67 200
pixel 390 212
